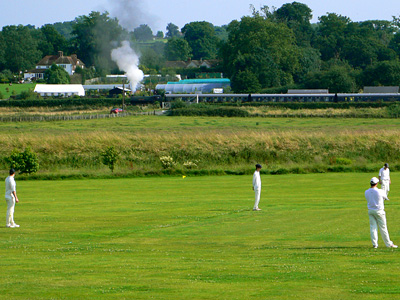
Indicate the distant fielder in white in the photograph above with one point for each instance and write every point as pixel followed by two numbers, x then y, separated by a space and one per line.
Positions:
pixel 11 199
pixel 376 212
pixel 384 178
pixel 257 186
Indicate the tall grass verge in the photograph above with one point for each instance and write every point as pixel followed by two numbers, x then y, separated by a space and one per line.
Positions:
pixel 225 151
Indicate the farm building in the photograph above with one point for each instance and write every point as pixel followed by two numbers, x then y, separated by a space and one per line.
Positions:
pixel 200 86
pixel 118 91
pixel 64 90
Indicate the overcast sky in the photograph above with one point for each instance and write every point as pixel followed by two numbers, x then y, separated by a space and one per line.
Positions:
pixel 158 13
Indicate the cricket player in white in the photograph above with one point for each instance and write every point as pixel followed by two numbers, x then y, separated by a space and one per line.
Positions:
pixel 11 199
pixel 384 178
pixel 376 212
pixel 257 186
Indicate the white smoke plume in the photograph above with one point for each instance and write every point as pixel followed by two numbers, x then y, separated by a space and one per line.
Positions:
pixel 128 61
pixel 131 13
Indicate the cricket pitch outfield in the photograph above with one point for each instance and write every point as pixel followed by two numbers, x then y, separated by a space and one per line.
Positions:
pixel 197 238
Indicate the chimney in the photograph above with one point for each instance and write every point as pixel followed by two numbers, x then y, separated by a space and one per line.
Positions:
pixel 60 54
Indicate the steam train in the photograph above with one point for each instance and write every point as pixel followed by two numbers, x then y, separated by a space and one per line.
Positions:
pixel 221 98
pixel 340 97
pixel 145 100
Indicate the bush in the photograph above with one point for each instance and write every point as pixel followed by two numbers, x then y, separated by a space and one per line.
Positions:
pixel 110 157
pixel 178 104
pixel 280 171
pixel 28 94
pixel 25 162
pixel 58 102
pixel 343 161
pixel 340 161
pixel 394 111
pixel 190 165
pixel 167 162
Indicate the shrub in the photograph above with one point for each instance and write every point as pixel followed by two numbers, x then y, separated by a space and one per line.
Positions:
pixel 394 111
pixel 28 94
pixel 167 162
pixel 280 171
pixel 343 161
pixel 340 161
pixel 24 162
pixel 190 165
pixel 178 104
pixel 110 157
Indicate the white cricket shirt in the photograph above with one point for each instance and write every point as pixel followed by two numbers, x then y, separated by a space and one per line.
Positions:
pixel 256 180
pixel 375 198
pixel 384 174
pixel 10 186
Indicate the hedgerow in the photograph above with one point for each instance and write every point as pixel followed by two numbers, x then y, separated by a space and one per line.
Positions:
pixel 62 102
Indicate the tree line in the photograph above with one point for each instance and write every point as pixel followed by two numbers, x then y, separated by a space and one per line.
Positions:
pixel 268 51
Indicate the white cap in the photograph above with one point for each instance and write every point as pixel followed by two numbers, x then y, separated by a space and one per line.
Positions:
pixel 374 180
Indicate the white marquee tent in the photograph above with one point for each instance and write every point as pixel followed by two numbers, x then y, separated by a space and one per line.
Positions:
pixel 65 90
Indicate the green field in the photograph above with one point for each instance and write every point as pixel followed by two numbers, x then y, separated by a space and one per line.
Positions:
pixel 197 238
pixel 15 89
pixel 164 124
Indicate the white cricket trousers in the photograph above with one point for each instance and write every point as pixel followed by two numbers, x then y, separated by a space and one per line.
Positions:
pixel 385 186
pixel 258 195
pixel 10 210
pixel 377 218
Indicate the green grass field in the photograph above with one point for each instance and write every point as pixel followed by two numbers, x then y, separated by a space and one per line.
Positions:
pixel 15 89
pixel 164 124
pixel 197 238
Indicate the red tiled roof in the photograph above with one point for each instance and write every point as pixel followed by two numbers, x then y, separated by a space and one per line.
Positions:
pixel 59 59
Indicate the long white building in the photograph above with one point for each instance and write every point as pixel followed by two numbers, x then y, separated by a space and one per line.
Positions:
pixel 65 90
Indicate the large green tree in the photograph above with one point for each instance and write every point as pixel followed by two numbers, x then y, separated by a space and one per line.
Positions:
pixel 262 47
pixel 95 36
pixel 337 78
pixel 245 82
pixel 331 35
pixel 394 44
pixel 65 29
pixel 382 73
pixel 19 48
pixel 172 31
pixel 56 75
pixel 177 49
pixel 202 39
pixel 365 43
pixel 143 33
pixel 297 16
pixel 53 40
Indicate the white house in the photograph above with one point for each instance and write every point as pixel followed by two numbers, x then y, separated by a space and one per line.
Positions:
pixel 65 90
pixel 69 63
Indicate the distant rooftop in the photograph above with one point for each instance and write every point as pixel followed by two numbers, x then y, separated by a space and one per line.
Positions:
pixel 381 89
pixel 312 91
pixel 201 81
